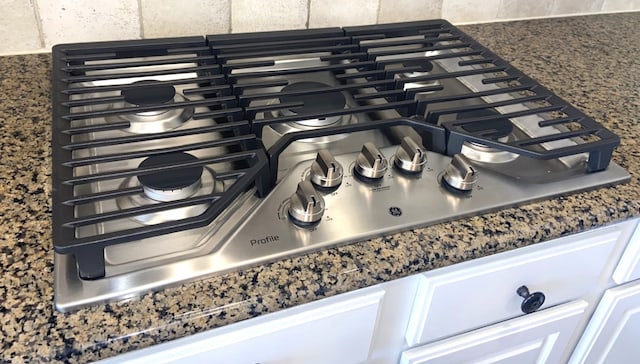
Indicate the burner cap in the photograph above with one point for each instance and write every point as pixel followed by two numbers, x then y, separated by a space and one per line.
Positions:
pixel 499 127
pixel 313 103
pixel 423 64
pixel 149 95
pixel 174 179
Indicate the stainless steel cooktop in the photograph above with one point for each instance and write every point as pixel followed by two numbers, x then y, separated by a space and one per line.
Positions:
pixel 177 159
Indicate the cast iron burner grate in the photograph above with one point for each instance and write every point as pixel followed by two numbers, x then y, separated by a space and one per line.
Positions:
pixel 261 66
pixel 367 58
pixel 555 128
pixel 100 90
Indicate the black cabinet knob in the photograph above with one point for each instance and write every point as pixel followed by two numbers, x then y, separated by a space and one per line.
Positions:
pixel 532 301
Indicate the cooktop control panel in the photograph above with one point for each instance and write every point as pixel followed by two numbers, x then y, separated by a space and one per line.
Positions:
pixel 361 207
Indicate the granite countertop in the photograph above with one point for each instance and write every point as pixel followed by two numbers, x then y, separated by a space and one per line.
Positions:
pixel 590 61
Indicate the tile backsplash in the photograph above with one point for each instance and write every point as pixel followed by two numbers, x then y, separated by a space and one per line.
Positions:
pixel 36 25
pixel 252 15
pixel 87 20
pixel 328 13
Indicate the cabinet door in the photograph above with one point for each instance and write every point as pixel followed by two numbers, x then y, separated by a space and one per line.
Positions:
pixel 613 334
pixel 335 330
pixel 482 292
pixel 629 267
pixel 538 338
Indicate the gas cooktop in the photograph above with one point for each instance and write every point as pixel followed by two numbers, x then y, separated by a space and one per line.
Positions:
pixel 176 159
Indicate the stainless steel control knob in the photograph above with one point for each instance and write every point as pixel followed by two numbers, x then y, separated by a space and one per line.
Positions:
pixel 325 170
pixel 460 174
pixel 306 206
pixel 410 156
pixel 371 163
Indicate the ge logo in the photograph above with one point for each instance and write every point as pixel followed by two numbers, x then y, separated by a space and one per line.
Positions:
pixel 395 211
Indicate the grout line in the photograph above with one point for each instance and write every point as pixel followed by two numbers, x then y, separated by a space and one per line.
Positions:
pixel 140 23
pixel 36 13
pixel 306 24
pixel 378 11
pixel 22 53
pixel 230 29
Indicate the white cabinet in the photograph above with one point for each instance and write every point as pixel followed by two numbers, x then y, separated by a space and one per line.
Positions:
pixel 339 331
pixel 536 338
pixel 613 334
pixel 471 295
pixel 629 267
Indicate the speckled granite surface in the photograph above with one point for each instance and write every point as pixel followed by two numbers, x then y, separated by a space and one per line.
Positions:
pixel 593 62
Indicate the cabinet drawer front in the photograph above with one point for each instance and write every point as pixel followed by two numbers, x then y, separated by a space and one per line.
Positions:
pixel 538 338
pixel 467 296
pixel 629 268
pixel 335 330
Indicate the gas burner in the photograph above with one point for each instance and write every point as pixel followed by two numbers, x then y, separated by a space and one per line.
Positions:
pixel 316 103
pixel 424 69
pixel 499 129
pixel 153 121
pixel 163 186
pixel 149 95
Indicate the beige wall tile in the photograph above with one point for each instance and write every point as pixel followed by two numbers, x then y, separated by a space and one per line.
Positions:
pixel 18 27
pixel 576 7
pixel 618 5
pixel 329 13
pixel 511 9
pixel 92 20
pixel 66 21
pixel 405 10
pixel 466 11
pixel 170 18
pixel 258 15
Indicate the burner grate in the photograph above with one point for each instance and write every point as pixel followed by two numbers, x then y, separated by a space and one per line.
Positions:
pixel 261 68
pixel 494 85
pixel 93 120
